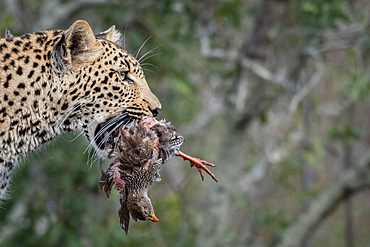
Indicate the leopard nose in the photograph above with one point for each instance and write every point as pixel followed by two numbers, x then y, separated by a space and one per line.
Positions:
pixel 155 111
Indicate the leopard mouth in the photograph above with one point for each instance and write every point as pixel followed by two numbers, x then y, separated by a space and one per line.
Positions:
pixel 106 132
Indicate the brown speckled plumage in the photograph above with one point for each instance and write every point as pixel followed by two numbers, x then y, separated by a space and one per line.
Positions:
pixel 140 152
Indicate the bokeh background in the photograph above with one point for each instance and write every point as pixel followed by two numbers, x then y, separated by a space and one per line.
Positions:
pixel 275 92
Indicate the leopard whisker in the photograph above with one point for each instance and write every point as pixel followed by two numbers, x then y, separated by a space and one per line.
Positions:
pixel 110 132
pixel 83 130
pixel 93 161
pixel 153 55
pixel 101 131
pixel 118 125
pixel 142 46
pixel 107 136
pixel 94 154
pixel 124 37
pixel 148 64
pixel 148 52
pixel 69 112
pixel 71 115
pixel 149 70
pixel 110 122
pixel 89 159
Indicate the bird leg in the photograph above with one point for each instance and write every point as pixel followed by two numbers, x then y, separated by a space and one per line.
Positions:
pixel 199 164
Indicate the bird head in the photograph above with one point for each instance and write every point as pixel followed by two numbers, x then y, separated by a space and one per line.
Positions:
pixel 140 207
pixel 169 139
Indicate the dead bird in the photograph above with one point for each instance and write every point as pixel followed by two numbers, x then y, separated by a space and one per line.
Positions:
pixel 139 153
pixel 136 165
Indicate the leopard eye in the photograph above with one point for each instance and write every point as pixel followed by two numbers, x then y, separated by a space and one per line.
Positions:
pixel 123 74
pixel 124 77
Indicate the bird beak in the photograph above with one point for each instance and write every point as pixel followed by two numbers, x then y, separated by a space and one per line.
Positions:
pixel 153 218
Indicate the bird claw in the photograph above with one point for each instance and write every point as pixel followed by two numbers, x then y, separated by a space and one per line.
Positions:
pixel 199 164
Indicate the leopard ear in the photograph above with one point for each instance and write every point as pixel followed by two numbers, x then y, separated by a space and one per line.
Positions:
pixel 80 43
pixel 111 34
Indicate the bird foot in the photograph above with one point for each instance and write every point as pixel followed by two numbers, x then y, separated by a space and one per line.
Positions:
pixel 199 164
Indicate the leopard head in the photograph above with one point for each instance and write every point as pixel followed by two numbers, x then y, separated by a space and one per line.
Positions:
pixel 102 86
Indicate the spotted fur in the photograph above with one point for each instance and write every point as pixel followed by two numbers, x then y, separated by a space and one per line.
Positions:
pixel 56 81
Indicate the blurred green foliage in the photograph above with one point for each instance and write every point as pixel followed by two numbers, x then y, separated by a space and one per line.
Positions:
pixel 319 14
pixel 55 200
pixel 345 133
pixel 359 88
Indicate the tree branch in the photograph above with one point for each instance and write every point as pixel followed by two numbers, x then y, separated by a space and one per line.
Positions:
pixel 53 12
pixel 310 85
pixel 350 183
pixel 251 65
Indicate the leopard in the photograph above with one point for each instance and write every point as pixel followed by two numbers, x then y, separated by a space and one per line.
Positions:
pixel 56 81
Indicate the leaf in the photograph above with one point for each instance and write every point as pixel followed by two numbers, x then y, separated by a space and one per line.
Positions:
pixel 310 7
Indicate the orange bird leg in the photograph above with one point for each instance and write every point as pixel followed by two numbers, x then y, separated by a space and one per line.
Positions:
pixel 199 164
